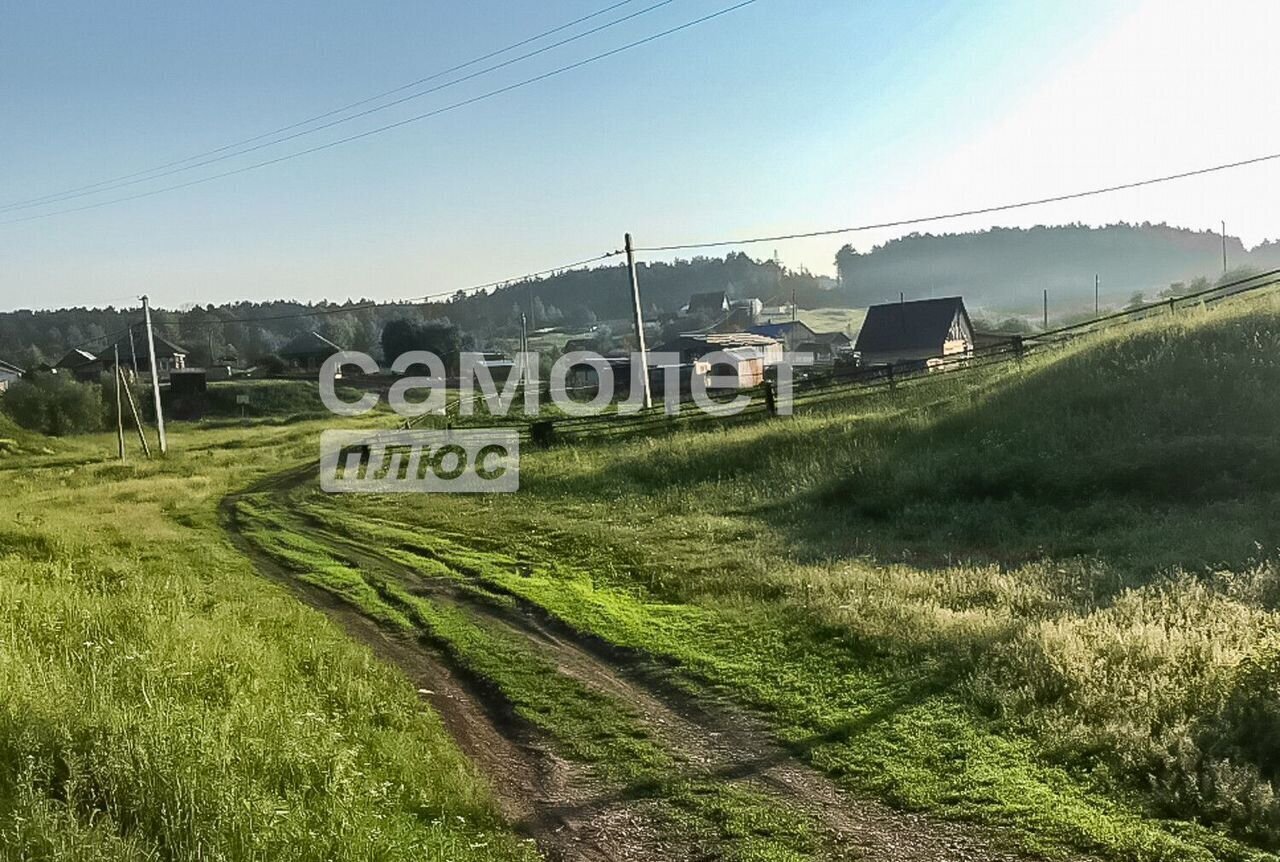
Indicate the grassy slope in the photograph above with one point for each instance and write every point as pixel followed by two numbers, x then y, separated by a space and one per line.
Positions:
pixel 847 320
pixel 967 596
pixel 162 701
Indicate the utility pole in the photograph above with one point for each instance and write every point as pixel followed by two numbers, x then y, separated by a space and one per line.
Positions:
pixel 1095 295
pixel 1046 308
pixel 635 299
pixel 155 376
pixel 133 353
pixel 1224 247
pixel 115 351
pixel 137 420
pixel 524 333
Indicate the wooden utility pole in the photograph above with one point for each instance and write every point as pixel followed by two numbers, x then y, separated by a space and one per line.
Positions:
pixel 155 376
pixel 133 353
pixel 635 299
pixel 1095 295
pixel 115 352
pixel 1046 308
pixel 1224 246
pixel 137 420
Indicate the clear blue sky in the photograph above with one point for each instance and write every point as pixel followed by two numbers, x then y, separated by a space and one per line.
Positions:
pixel 785 115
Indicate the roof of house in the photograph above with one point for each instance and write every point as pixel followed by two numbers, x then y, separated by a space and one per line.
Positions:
pixel 75 358
pixel 711 301
pixel 836 337
pixel 11 368
pixel 921 324
pixel 739 319
pixel 783 330
pixel 309 344
pixel 728 340
pixel 165 349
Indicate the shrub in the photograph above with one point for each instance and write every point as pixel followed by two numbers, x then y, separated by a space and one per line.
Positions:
pixel 54 404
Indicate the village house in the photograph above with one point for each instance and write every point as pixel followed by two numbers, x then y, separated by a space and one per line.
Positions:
pixel 919 333
pixel 791 333
pixel 8 373
pixel 80 364
pixel 747 354
pixel 827 348
pixel 307 351
pixel 713 302
pixel 134 354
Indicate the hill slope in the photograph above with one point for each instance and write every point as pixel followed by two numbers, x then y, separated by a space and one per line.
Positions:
pixel 1007 268
pixel 1039 597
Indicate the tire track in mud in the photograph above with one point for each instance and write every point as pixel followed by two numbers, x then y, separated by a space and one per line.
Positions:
pixel 559 803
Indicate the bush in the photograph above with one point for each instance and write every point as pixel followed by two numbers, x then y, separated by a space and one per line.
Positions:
pixel 54 404
pixel 273 364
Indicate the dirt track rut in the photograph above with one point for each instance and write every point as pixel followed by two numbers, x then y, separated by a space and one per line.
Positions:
pixel 562 805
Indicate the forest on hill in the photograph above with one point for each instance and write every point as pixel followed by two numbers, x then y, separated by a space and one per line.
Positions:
pixel 997 271
pixel 1007 269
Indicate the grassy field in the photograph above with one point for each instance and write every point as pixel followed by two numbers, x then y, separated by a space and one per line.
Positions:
pixel 847 320
pixel 1039 598
pixel 162 701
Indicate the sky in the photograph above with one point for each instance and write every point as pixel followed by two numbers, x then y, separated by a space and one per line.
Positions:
pixel 783 116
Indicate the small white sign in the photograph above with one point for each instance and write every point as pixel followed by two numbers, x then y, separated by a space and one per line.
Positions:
pixel 242 399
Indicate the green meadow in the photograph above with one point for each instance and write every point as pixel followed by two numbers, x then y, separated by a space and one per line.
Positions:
pixel 1039 598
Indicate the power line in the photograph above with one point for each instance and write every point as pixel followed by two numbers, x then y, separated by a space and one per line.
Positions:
pixel 388 127
pixel 221 155
pixel 410 302
pixel 98 185
pixel 962 213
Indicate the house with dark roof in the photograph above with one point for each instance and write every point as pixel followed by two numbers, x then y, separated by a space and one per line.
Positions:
pixel 308 351
pixel 713 302
pixel 134 354
pixel 827 348
pixel 79 363
pixel 913 333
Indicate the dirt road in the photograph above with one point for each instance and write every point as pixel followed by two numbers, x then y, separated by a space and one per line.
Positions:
pixel 563 805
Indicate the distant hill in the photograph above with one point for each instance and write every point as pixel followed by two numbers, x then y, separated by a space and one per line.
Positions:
pixel 1007 268
pixel 998 270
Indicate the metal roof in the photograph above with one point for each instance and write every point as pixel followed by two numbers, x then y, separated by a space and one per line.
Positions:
pixel 921 324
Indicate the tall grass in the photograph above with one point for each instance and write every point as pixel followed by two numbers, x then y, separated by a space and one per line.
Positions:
pixel 161 701
pixel 1080 549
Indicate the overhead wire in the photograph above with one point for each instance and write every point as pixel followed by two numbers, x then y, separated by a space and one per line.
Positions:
pixel 221 155
pixel 560 70
pixel 962 213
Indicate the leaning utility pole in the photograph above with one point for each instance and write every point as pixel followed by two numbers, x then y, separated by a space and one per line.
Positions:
pixel 155 376
pixel 137 420
pixel 1224 246
pixel 635 299
pixel 133 353
pixel 115 368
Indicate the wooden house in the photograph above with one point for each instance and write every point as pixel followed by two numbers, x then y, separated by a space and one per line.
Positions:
pixel 917 333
